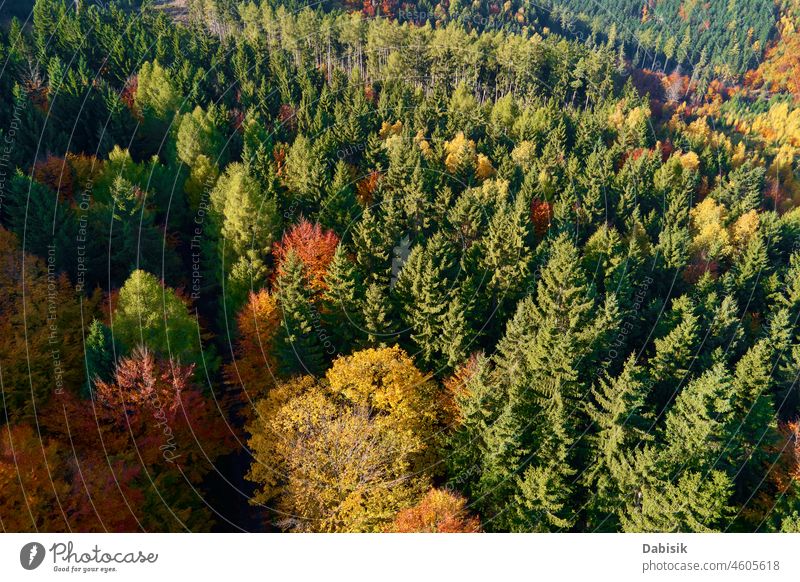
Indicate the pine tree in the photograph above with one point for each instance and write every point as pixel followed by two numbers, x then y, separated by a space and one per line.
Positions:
pixel 339 208
pixel 455 338
pixel 299 347
pixel 506 257
pixel 422 287
pixel 416 203
pixel 692 502
pixel 543 500
pixel 564 295
pixel 373 247
pixel 342 300
pixel 99 353
pixel 476 403
pixel 621 422
pixel 697 428
pixel 510 353
pixel 675 353
pixel 746 278
pixel 754 416
pixel 377 317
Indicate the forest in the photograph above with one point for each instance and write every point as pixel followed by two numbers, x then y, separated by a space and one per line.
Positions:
pixel 400 267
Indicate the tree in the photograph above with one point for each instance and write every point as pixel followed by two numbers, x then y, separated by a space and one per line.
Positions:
pixel 45 223
pixel 243 228
pixel 149 314
pixel 506 256
pixel 32 499
pixel 543 499
pixel 201 133
pixel 303 175
pixel 460 157
pixel 152 414
pixel 40 332
pixel 697 430
pixel 438 512
pixel 694 502
pixel 254 366
pixel 346 453
pixel 675 352
pixel 621 422
pixel 99 355
pixel 422 287
pixel 379 329
pixel 313 246
pixel 455 334
pixel 126 236
pixel 155 94
pixel 342 300
pixel 339 208
pixel 299 346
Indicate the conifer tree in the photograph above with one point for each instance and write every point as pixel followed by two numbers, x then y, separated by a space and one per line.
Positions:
pixel 675 353
pixel 99 354
pixel 455 338
pixel 697 427
pixel 690 502
pixel 543 501
pixel 506 257
pixel 338 209
pixel 621 422
pixel 342 300
pixel 298 346
pixel 379 329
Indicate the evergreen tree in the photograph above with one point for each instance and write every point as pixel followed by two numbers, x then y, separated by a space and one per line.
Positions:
pixel 675 353
pixel 455 334
pixel 377 317
pixel 99 353
pixel 342 300
pixel 299 348
pixel 339 208
pixel 621 423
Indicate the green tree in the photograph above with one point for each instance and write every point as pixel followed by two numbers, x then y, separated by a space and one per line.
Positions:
pixel 379 328
pixel 149 314
pixel 342 300
pixel 621 422
pixel 299 347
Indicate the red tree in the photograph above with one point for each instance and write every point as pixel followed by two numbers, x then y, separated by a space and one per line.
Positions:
pixel 438 512
pixel 314 246
pixel 252 371
pixel 56 174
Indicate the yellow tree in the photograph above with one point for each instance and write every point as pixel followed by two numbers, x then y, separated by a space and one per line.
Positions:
pixel 347 452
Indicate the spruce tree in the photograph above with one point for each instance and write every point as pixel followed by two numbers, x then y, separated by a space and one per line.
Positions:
pixel 543 502
pixel 343 300
pixel 455 337
pixel 675 353
pixel 698 426
pixel 423 287
pixel 338 209
pixel 299 348
pixel 379 329
pixel 621 422
pixel 506 257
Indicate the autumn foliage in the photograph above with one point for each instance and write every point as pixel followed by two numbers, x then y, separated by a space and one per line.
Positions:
pixel 347 452
pixel 138 451
pixel 56 174
pixel 254 366
pixel 438 512
pixel 541 216
pixel 314 246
